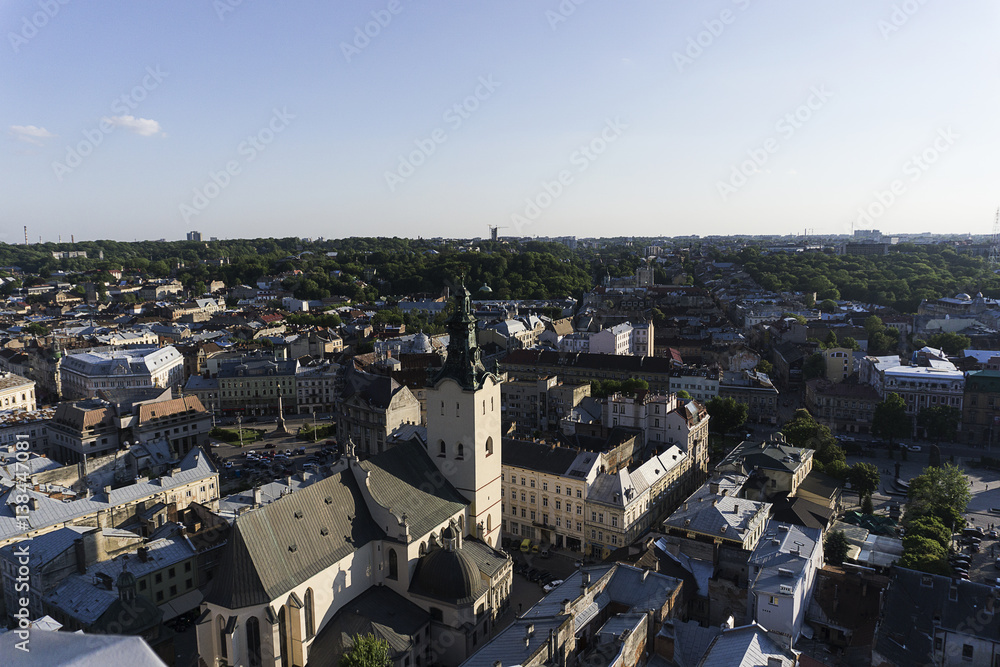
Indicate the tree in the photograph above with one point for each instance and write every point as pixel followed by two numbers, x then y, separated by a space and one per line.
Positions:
pixel 931 528
pixel 683 395
pixel 368 651
pixel 950 343
pixel 890 420
pixel 36 329
pixel 850 344
pixel 727 414
pixel 864 478
pixel 835 547
pixel 924 554
pixel 938 492
pixel 802 430
pixel 828 306
pixel 764 366
pixel 831 340
pixel 866 505
pixel 940 422
pixel 814 366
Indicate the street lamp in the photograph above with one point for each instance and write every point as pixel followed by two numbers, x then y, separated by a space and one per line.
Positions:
pixel 239 427
pixel 314 426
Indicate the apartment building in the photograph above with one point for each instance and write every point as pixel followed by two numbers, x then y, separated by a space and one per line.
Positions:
pixel 16 392
pixel 256 385
pixel 544 491
pixel 83 374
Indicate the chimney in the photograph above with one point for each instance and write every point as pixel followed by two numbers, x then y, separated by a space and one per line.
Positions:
pixel 107 491
pixel 713 486
pixel 81 555
pixel 566 606
pixel 584 582
pixel 774 661
pixel 256 496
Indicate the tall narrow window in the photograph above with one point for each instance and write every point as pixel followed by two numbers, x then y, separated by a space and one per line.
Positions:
pixel 253 642
pixel 443 449
pixel 393 565
pixel 310 622
pixel 283 635
pixel 223 649
pixel 489 446
pixel 461 451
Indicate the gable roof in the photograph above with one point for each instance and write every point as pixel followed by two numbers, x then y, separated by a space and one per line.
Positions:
pixel 274 548
pixel 404 479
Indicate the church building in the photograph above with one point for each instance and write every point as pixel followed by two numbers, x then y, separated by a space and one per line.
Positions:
pixel 403 544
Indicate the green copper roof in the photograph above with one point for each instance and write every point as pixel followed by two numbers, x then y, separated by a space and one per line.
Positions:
pixel 464 363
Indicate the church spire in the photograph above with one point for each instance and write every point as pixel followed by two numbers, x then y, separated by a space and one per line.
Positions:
pixel 464 363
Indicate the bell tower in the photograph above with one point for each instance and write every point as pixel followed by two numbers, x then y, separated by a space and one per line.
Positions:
pixel 464 425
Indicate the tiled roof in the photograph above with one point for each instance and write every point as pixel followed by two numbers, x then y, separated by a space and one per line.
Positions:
pixel 161 409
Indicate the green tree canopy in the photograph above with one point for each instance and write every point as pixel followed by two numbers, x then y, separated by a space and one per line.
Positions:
pixel 802 430
pixel 727 414
pixel 924 554
pixel 683 395
pixel 368 651
pixel 951 343
pixel 835 547
pixel 890 420
pixel 930 527
pixel 814 366
pixel 939 492
pixel 864 478
pixel 940 421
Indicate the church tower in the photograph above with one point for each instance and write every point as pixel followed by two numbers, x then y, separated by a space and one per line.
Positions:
pixel 463 423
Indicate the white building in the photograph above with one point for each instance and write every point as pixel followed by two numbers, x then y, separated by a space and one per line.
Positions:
pixel 616 340
pixel 926 386
pixel 16 392
pixel 782 571
pixel 85 373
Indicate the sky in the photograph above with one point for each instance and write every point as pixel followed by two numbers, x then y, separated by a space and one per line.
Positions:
pixel 245 118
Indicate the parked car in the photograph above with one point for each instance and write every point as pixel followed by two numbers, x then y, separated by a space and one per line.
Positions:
pixel 270 446
pixel 994 534
pixel 914 448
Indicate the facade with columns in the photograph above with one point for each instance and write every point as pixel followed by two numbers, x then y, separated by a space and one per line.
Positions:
pixel 402 543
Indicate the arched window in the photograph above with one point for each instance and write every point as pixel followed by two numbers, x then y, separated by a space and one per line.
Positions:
pixel 489 523
pixel 253 642
pixel 484 406
pixel 283 635
pixel 457 407
pixel 223 649
pixel 443 449
pixel 393 565
pixel 489 446
pixel 422 550
pixel 461 451
pixel 310 622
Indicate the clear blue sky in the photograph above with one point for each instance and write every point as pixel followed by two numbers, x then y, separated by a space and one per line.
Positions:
pixel 670 122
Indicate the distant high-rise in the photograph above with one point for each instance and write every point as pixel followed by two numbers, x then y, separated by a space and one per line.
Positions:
pixel 194 236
